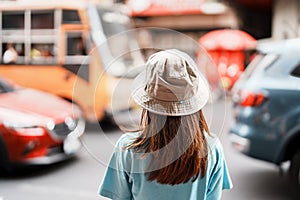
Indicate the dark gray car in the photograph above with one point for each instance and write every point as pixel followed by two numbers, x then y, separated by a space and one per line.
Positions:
pixel 267 106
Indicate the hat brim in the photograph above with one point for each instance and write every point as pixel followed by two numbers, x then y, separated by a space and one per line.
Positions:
pixel 169 108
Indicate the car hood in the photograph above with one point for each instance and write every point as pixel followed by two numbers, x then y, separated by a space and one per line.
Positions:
pixel 37 104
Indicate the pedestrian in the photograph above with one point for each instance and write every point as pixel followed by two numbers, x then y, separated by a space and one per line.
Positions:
pixel 10 55
pixel 173 155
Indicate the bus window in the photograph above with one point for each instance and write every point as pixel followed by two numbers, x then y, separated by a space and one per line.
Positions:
pixel 12 53
pixel 75 44
pixel 42 54
pixel 71 17
pixel 42 19
pixel 13 20
pixel 76 59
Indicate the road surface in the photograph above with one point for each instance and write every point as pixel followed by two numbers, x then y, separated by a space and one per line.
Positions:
pixel 78 179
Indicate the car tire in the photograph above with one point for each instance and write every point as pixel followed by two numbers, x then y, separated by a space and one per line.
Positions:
pixel 294 170
pixel 3 155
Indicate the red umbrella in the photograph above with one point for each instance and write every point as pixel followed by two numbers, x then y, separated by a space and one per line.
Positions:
pixel 227 39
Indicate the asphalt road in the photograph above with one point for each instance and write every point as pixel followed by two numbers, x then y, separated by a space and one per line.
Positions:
pixel 79 178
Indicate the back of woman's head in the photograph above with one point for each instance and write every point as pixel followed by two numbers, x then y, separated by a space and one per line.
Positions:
pixel 177 145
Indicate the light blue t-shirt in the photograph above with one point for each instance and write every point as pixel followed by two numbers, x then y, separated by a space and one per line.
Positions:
pixel 125 178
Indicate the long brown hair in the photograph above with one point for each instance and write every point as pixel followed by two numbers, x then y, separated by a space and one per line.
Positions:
pixel 185 149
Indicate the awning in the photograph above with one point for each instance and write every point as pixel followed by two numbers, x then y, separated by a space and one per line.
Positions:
pixel 146 8
pixel 227 39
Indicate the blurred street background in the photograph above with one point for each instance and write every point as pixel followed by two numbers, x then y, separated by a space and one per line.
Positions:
pixel 67 68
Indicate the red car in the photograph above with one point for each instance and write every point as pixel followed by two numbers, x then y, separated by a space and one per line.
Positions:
pixel 36 127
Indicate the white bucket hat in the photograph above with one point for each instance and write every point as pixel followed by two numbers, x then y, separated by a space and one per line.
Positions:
pixel 171 85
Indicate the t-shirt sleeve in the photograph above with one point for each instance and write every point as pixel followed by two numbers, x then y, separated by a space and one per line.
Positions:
pixel 219 177
pixel 115 184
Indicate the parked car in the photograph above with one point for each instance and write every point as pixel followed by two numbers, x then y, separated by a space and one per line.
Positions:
pixel 267 106
pixel 35 127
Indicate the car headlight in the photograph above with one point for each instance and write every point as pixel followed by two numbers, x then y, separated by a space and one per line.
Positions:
pixel 24 127
pixel 29 123
pixel 15 119
pixel 19 124
pixel 30 131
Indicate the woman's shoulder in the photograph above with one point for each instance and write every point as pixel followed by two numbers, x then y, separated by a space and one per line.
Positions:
pixel 215 146
pixel 215 150
pixel 127 138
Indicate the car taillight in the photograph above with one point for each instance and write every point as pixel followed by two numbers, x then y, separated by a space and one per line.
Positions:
pixel 247 98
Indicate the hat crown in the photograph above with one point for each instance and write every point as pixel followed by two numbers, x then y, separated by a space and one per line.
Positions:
pixel 171 76
pixel 171 84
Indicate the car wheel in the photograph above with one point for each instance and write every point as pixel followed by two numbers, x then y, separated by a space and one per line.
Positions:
pixel 295 168
pixel 3 156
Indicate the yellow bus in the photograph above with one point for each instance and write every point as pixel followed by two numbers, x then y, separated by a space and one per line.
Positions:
pixel 64 47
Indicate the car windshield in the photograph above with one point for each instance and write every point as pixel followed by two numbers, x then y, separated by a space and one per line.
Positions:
pixel 296 71
pixel 259 63
pixel 5 87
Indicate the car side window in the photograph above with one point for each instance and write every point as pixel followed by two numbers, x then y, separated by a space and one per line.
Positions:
pixel 296 71
pixel 2 89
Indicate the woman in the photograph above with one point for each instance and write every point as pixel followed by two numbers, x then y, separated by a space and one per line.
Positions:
pixel 174 156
